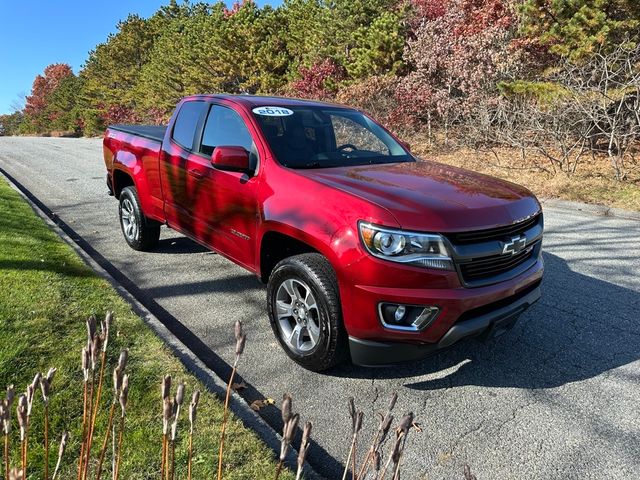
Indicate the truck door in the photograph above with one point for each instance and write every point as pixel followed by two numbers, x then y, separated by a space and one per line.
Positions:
pixel 179 184
pixel 224 209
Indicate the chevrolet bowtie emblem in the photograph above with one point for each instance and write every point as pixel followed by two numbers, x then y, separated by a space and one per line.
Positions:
pixel 515 245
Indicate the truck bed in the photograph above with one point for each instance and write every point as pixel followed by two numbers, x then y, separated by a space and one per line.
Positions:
pixel 152 132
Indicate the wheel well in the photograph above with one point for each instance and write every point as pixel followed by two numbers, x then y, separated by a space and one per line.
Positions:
pixel 275 247
pixel 120 181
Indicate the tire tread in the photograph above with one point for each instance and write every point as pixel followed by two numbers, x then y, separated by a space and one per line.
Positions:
pixel 149 229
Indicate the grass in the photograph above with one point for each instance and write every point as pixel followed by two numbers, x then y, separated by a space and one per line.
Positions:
pixel 593 181
pixel 46 293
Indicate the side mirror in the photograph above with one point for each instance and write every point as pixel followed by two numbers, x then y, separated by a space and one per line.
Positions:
pixel 231 158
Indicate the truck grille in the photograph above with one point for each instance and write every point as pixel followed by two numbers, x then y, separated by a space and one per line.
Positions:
pixel 498 233
pixel 488 267
pixel 480 257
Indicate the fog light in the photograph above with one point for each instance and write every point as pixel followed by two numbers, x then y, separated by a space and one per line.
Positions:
pixel 407 317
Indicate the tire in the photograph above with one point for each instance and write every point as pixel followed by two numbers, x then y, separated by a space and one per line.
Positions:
pixel 321 340
pixel 140 233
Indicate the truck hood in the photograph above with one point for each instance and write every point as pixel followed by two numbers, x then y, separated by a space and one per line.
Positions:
pixel 429 196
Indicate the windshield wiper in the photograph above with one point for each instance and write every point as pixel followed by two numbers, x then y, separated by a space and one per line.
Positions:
pixel 317 164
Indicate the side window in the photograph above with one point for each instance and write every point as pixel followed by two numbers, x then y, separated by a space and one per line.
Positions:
pixel 186 122
pixel 225 127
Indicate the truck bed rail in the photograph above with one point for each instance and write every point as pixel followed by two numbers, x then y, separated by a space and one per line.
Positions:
pixel 152 132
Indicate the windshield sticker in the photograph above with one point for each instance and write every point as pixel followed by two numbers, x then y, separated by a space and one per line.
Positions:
pixel 273 111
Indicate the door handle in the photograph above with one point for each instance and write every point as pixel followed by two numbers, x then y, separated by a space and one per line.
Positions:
pixel 197 174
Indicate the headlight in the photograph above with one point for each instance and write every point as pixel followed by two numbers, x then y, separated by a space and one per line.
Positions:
pixel 421 249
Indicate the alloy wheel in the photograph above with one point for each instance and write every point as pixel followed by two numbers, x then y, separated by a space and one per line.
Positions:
pixel 298 315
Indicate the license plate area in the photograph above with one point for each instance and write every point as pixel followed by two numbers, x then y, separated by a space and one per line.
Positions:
pixel 501 326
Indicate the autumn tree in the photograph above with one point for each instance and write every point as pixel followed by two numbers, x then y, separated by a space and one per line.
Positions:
pixel 375 95
pixel 456 56
pixel 37 103
pixel 319 81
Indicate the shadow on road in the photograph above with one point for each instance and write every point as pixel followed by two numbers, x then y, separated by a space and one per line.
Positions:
pixel 581 328
pixel 179 245
pixel 236 285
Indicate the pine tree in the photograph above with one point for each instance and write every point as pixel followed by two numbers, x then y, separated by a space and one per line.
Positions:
pixel 112 70
pixel 578 28
pixel 378 47
pixel 63 105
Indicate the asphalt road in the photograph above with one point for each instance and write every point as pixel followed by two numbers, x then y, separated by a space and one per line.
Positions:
pixel 556 398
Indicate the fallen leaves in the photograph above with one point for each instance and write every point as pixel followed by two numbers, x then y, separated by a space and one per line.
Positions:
pixel 257 405
pixel 237 386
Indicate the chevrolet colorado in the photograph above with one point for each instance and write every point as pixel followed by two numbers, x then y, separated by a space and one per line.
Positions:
pixel 367 252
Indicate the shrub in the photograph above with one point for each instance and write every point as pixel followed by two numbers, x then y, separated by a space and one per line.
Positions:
pixel 374 95
pixel 319 81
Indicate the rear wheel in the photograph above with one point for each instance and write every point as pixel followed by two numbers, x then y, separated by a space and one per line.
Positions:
pixel 139 232
pixel 305 312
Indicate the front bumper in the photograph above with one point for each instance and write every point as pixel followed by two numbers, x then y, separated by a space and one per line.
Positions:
pixel 489 323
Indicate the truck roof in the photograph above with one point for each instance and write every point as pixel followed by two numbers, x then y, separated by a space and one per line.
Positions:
pixel 252 101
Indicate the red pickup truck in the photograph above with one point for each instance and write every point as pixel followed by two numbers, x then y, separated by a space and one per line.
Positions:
pixel 366 251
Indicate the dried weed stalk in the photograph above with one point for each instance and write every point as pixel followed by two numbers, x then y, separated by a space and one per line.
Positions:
pixel 21 414
pixel 30 395
pixel 241 339
pixel 193 410
pixel 379 438
pixel 398 447
pixel 178 400
pixel 7 404
pixel 61 449
pixel 167 411
pixel 288 433
pixel 118 373
pixel 356 425
pixel 304 447
pixel 45 387
pixel 85 361
pixel 99 343
pixel 124 398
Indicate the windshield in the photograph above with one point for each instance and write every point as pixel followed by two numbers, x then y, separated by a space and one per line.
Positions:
pixel 324 137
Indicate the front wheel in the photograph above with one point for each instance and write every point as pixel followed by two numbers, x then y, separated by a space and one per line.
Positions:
pixel 139 232
pixel 305 311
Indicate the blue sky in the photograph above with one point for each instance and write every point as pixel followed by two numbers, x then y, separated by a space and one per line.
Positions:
pixel 36 33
